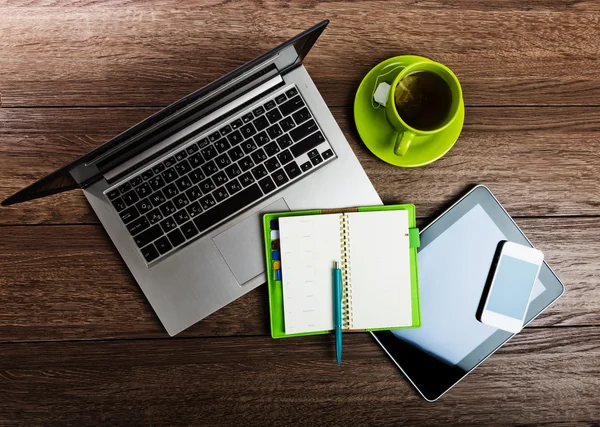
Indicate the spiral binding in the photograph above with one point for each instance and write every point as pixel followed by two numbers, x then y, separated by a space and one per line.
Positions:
pixel 346 277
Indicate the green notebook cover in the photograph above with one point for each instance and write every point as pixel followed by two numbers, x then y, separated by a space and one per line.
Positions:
pixel 276 286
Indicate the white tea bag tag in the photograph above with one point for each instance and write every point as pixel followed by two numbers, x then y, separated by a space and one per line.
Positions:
pixel 381 93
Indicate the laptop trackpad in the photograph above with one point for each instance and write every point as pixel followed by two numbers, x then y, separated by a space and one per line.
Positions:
pixel 242 245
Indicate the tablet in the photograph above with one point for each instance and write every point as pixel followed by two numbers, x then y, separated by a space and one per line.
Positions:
pixel 455 257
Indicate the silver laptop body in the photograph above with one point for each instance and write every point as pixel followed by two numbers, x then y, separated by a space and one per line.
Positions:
pixel 181 194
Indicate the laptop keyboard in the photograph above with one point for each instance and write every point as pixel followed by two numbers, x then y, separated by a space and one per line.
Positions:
pixel 179 197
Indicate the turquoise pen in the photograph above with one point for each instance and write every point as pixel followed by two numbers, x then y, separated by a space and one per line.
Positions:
pixel 337 310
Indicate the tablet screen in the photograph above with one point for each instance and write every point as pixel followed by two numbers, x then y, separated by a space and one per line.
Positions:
pixel 460 258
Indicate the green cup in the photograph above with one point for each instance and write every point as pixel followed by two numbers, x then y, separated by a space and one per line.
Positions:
pixel 406 134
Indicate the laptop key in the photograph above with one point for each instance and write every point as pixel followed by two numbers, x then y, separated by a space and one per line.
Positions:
pixel 183 183
pixel 157 198
pixel 150 253
pixel 181 216
pixel 158 168
pixel 220 194
pixel 261 123
pixel 235 138
pixel 156 182
pixel 170 191
pixel 119 204
pixel 274 116
pixel 229 206
pixel 271 149
pixel 269 105
pixel 233 171
pixel 303 131
pixel 259 172
pixel 194 209
pixel 292 170
pixel 196 176
pixel 207 185
pixel 169 162
pixel 261 139
pixel 125 188
pixel 246 163
pixel 136 181
pixel 236 124
pixel 274 131
pixel 246 179
pixel 248 130
pixel 316 160
pixel 138 225
pixel 247 117
pixel 209 152
pixel 130 198
pixel 284 141
pixel 168 224
pixel 312 153
pixel 163 245
pixel 180 201
pixel 189 230
pixel 223 160
pixel 144 206
pixel 169 175
pixel 219 178
pixel 236 153
pixel 183 167
pixel 143 190
pixel 196 160
pixel 327 154
pixel 285 157
pixel 147 174
pixel 272 164
pixel 291 106
pixel 113 193
pixel 259 156
pixel 214 136
pixel 204 142
pixel 210 168
pixel 293 91
pixel 222 145
pixel 301 116
pixel 287 124
pixel 168 208
pixel 233 186
pixel 248 146
pixel 305 166
pixel 193 193
pixel 279 177
pixel 181 155
pixel 192 149
pixel 266 184
pixel 176 238
pixel 258 111
pixel 225 130
pixel 307 144
pixel 154 216
pixel 280 98
pixel 207 202
pixel 148 236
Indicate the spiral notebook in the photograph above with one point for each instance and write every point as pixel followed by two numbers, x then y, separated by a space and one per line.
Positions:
pixel 378 270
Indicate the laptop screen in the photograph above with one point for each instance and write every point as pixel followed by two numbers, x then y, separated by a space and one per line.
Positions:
pixel 91 167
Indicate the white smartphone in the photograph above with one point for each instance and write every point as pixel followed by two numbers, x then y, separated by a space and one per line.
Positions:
pixel 515 274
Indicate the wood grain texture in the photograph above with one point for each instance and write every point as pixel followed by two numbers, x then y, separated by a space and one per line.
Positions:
pixel 537 160
pixel 292 382
pixel 68 283
pixel 65 53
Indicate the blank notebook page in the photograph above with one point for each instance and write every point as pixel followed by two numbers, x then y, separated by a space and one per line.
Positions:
pixel 309 246
pixel 379 267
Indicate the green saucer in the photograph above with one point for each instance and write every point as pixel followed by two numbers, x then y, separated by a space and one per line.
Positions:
pixel 377 134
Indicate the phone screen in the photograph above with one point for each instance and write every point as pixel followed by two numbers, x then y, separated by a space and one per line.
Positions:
pixel 512 286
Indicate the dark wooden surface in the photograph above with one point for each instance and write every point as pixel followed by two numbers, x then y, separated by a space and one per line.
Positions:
pixel 80 345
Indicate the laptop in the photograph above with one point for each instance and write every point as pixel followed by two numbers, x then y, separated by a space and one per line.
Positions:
pixel 182 193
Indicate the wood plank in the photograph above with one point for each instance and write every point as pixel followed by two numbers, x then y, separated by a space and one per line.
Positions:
pixel 538 161
pixel 69 283
pixel 543 375
pixel 64 53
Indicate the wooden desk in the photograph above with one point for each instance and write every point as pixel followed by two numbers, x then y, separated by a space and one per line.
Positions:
pixel 79 343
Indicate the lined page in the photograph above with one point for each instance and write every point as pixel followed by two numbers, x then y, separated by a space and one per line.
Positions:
pixel 380 269
pixel 309 246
